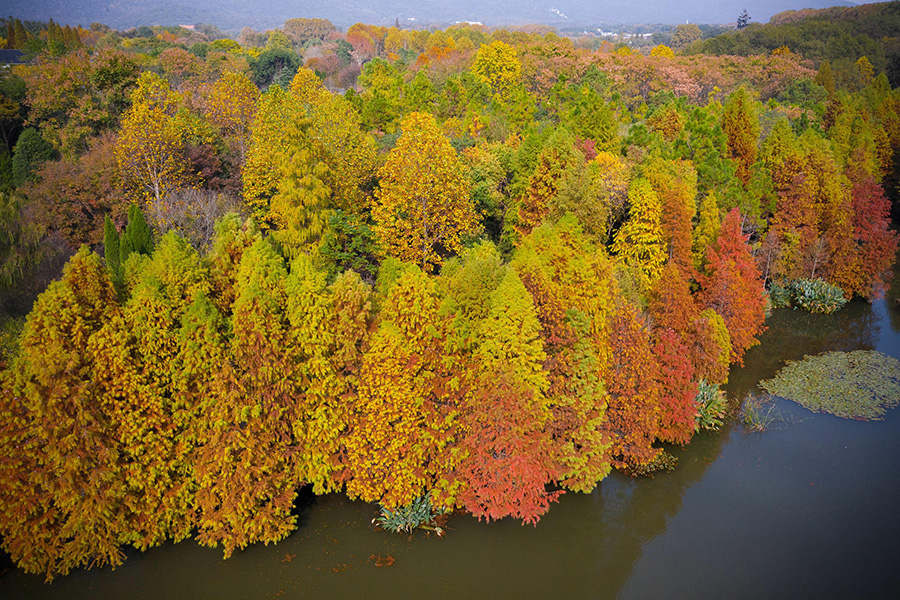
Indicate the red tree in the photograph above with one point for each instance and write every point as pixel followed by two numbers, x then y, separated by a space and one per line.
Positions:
pixel 733 287
pixel 877 242
pixel 631 378
pixel 677 409
pixel 510 457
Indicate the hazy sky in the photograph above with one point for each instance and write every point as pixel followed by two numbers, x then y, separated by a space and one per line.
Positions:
pixel 233 14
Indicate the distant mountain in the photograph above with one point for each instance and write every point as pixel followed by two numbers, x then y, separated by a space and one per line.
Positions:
pixel 234 14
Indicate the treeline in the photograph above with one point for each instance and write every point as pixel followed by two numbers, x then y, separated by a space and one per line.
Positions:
pixel 840 35
pixel 495 269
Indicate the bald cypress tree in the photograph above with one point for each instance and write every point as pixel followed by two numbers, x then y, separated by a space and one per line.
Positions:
pixel 248 467
pixel 61 483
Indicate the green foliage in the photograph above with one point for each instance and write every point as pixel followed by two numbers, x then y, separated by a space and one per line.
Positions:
pixel 813 295
pixel 10 330
pixel 863 384
pixel 30 151
pixel 407 518
pixel 19 241
pixel 779 295
pixel 711 403
pixel 137 237
pixel 758 413
pixel 349 243
pixel 275 66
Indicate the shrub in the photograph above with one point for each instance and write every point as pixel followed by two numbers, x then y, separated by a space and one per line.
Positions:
pixel 710 406
pixel 816 295
pixel 779 295
pixel 406 518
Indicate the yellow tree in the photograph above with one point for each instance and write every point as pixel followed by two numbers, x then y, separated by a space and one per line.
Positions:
pixel 741 125
pixel 299 210
pixel 307 116
pixel 135 373
pixel 497 65
pixel 232 104
pixel 707 228
pixel 423 202
pixel 640 242
pixel 319 418
pixel 247 470
pixel 61 480
pixel 404 420
pixel 150 147
pixel 336 138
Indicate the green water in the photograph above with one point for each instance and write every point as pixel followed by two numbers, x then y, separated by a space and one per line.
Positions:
pixel 807 508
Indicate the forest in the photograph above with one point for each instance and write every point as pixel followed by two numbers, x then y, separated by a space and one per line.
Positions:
pixel 457 270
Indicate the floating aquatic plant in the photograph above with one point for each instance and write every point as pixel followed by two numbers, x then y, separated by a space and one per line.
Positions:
pixel 863 384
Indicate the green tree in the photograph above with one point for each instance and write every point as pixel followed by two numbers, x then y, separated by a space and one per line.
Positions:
pixel 30 151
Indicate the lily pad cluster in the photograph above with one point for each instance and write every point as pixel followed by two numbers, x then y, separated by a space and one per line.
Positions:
pixel 863 384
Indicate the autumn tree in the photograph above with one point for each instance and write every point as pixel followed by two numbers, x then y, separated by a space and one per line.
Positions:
pixel 350 322
pixel 570 281
pixel 675 183
pixel 320 414
pixel 497 65
pixel 706 229
pixel 233 236
pixel 299 209
pixel 422 207
pixel 677 388
pixel 640 242
pixel 877 241
pixel 267 148
pixel 247 471
pixel 732 286
pixel 232 105
pixel 62 483
pixel 403 420
pixel 671 304
pixel 509 459
pixel 685 34
pixel 555 161
pixel 632 380
pixel 307 117
pixel 134 371
pixel 709 347
pixel 150 146
pixel 741 125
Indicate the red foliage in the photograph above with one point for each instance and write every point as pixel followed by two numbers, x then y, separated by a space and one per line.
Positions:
pixel 632 416
pixel 733 287
pixel 588 147
pixel 677 409
pixel 877 241
pixel 510 460
pixel 671 303
pixel 73 198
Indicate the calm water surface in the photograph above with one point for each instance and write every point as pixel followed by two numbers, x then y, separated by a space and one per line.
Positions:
pixel 808 508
